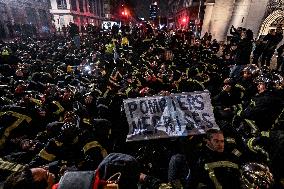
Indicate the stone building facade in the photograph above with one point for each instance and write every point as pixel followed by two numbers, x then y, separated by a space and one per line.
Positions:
pixel 257 15
pixel 19 16
pixel 80 12
pixel 185 13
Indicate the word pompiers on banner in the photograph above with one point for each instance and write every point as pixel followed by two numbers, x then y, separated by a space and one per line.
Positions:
pixel 169 116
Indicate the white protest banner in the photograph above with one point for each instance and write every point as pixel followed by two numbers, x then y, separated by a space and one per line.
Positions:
pixel 169 116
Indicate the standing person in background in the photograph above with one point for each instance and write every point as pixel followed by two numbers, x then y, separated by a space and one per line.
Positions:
pixel 74 34
pixel 64 30
pixel 272 40
pixel 243 52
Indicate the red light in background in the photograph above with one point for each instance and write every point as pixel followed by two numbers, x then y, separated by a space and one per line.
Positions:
pixel 184 20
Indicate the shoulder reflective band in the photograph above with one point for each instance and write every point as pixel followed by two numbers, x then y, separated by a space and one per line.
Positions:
pixel 252 124
pixel 211 166
pixel 36 101
pixel 279 119
pixel 58 143
pixel 242 94
pixel 87 121
pixel 106 93
pixel 60 108
pixel 252 103
pixel 165 186
pixel 6 165
pixel 265 134
pixel 45 155
pixel 230 140
pixel 236 152
pixel 128 90
pixel 240 107
pixel 206 80
pixel 240 87
pixel 9 129
pixel 5 52
pixel 94 144
pixel 201 185
pixel 250 144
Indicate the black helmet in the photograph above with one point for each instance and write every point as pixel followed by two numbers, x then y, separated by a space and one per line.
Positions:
pixel 265 69
pixel 277 79
pixel 255 175
pixel 266 79
pixel 252 69
pixel 69 131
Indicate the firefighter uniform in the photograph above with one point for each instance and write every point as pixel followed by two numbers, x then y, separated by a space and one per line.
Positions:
pixel 76 147
pixel 215 170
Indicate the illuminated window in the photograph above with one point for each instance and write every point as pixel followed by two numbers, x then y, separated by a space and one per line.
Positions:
pixel 86 6
pixel 153 11
pixel 61 4
pixel 81 6
pixel 73 5
pixel 92 6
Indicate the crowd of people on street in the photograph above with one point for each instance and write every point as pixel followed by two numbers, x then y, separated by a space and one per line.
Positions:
pixel 62 118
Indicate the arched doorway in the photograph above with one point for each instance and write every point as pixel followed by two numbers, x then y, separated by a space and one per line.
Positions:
pixel 272 21
pixel 275 19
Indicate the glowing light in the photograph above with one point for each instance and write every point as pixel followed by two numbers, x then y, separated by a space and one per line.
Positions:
pixel 87 68
pixel 184 20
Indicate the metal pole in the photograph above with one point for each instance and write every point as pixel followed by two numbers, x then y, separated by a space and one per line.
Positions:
pixel 198 17
pixel 199 9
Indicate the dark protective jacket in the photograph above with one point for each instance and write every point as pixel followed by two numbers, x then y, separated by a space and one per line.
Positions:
pixel 269 145
pixel 215 170
pixel 243 52
pixel 83 151
pixel 263 109
pixel 17 122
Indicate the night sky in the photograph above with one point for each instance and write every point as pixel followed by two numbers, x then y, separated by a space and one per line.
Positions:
pixel 141 7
